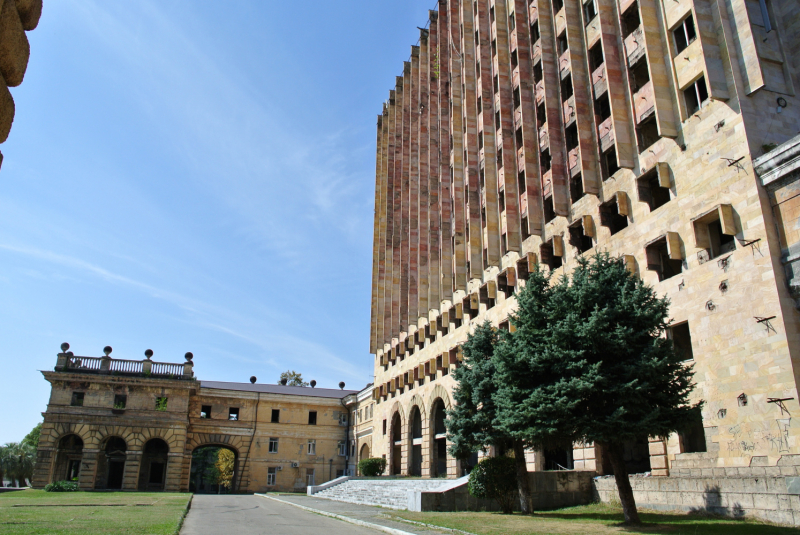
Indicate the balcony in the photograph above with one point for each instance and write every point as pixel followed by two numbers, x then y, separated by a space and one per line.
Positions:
pixel 574 160
pixel 547 183
pixel 539 91
pixel 644 102
pixel 563 64
pixel 605 131
pixel 68 362
pixel 599 80
pixel 569 110
pixel 634 46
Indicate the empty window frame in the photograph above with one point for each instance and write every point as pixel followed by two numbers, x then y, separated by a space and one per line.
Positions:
pixel 693 437
pixel 312 417
pixel 205 411
pixel 647 133
pixel 571 137
pixel 120 401
pixel 233 414
pixel 557 5
pixel 664 256
pixel 579 238
pixel 384 427
pixel 639 74
pixel 695 96
pixel 608 162
pixel 535 31
pixel 562 42
pixel 276 416
pixel 715 231
pixel 613 214
pixel 537 72
pixel 653 186
pixel 596 56
pixel 552 252
pixel 77 399
pixel 309 477
pixel 566 88
pixel 342 448
pixel 684 34
pixel 630 20
pixel 549 212
pixel 272 473
pixel 602 108
pixel 541 115
pixel 589 12
pixel 681 340
pixel 545 161
pixel 273 445
pixel 576 188
pixel 312 447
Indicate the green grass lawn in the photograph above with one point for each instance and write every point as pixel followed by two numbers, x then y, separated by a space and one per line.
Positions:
pixel 35 512
pixel 595 518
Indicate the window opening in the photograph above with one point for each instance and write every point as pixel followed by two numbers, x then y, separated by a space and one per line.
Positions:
pixel 571 137
pixel 659 260
pixel 684 34
pixel 384 427
pixel 711 235
pixel 640 74
pixel 652 191
pixel 233 414
pixel 695 95
pixel 342 448
pixel 514 60
pixel 312 417
pixel 535 31
pixel 545 160
pixel 609 163
pixel 276 416
pixel 523 186
pixel 511 22
pixel 517 100
pixel 596 56
pixel 693 437
pixel 647 133
pixel 563 44
pixel 578 239
pixel 272 473
pixel 518 137
pixel 557 5
pixel 161 404
pixel 496 86
pixel 120 401
pixel 566 88
pixel 611 218
pixel 602 108
pixel 537 72
pixel 541 116
pixel 77 399
pixel 205 411
pixel 681 340
pixel 548 256
pixel 630 20
pixel 273 445
pixel 312 447
pixel 589 11
pixel 576 188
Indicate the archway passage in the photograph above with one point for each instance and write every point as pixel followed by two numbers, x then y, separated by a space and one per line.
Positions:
pixel 153 470
pixel 415 468
pixel 364 453
pixel 111 464
pixel 69 455
pixel 438 416
pixel 397 444
pixel 214 470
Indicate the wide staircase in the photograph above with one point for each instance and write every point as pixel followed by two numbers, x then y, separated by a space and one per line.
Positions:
pixel 694 464
pixel 392 493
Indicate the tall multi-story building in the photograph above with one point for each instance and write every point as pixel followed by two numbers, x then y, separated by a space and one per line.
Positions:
pixel 533 132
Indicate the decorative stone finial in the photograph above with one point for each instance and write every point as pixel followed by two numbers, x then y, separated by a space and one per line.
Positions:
pixel 284 381
pixel 188 356
pixel 148 353
pixel 107 350
pixel 341 385
pixel 64 347
pixel 313 383
pixel 253 379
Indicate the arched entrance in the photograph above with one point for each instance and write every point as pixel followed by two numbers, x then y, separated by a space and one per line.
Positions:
pixel 438 416
pixel 153 471
pixel 214 470
pixel 364 453
pixel 415 467
pixel 397 444
pixel 68 458
pixel 111 464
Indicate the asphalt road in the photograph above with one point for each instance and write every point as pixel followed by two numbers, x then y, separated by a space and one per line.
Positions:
pixel 251 515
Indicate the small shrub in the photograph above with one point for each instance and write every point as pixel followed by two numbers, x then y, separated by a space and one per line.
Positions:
pixel 372 467
pixel 62 486
pixel 495 478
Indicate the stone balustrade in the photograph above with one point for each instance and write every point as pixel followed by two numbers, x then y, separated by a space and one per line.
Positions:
pixel 69 362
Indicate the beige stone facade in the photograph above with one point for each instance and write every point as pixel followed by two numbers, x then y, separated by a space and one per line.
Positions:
pixel 133 425
pixel 525 132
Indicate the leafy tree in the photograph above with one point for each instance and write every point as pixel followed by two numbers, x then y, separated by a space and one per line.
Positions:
pixel 292 378
pixel 224 466
pixel 622 379
pixel 374 466
pixel 495 478
pixel 32 438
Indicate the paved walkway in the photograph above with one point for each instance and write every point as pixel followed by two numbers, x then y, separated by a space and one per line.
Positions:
pixel 363 513
pixel 254 515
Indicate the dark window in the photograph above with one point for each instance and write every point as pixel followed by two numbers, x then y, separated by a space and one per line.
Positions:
pixel 611 218
pixel 312 417
pixel 156 473
pixel 276 416
pixel 537 72
pixel 589 11
pixel 523 186
pixel 647 133
pixel 695 95
pixel 571 136
pixel 233 413
pixel 545 160
pixel 541 116
pixel 549 212
pixel 514 60
pixel 640 74
pixel 566 87
pixel 517 99
pixel 720 243
pixel 609 163
pixel 681 340
pixel 535 31
pixel 578 239
pixel 384 427
pixel 273 445
pixel 557 5
pixel 512 24
pixel 496 87
pixel 630 20
pixel 548 257
pixel 684 34
pixel 596 56
pixel 563 44
pixel 602 108
pixel 205 411
pixel 576 188
pixel 658 260
pixel 120 401
pixel 652 192
pixel 77 399
pixel 518 137
pixel 693 436
pixel 525 232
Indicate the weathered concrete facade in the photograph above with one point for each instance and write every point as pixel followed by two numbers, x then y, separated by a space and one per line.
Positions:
pixel 133 425
pixel 525 132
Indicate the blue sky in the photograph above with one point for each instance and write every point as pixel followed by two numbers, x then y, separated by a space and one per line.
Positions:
pixel 195 176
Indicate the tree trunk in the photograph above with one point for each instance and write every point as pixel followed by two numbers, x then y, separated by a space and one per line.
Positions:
pixel 523 482
pixel 614 452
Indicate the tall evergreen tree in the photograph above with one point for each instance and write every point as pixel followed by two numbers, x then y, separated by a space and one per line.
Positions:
pixel 623 377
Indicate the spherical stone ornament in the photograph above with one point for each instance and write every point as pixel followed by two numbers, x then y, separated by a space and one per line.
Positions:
pixel 64 347
pixel 148 353
pixel 188 356
pixel 253 379
pixel 107 350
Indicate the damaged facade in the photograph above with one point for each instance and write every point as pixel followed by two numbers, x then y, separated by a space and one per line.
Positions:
pixel 135 425
pixel 533 132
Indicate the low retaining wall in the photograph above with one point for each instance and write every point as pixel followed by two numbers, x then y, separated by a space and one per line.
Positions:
pixel 550 490
pixel 773 498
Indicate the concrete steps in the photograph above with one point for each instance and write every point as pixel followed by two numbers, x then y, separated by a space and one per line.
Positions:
pixel 694 460
pixel 391 493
